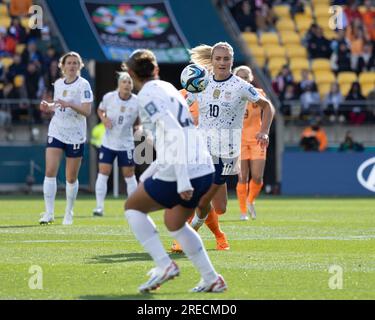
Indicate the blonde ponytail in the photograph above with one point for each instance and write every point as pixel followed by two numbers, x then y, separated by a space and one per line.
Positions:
pixel 202 55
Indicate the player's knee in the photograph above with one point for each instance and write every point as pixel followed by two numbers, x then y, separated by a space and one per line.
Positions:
pixel 258 179
pixel 71 180
pixel 221 210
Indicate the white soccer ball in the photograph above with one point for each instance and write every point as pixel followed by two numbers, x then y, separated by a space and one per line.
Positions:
pixel 194 78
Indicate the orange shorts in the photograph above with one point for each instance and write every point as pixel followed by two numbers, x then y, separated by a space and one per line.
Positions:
pixel 252 151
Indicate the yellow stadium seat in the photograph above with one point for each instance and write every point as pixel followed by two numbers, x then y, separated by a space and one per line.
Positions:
pixel 269 38
pixel 285 25
pixel 3 10
pixel 282 11
pixel 18 81
pixel 5 21
pixel 257 51
pixel 344 88
pixel 260 60
pixel 299 64
pixel 321 10
pixel 250 38
pixel 323 22
pixel 321 2
pixel 366 77
pixel 346 77
pixel 290 37
pixel 275 51
pixel 296 51
pixel 303 25
pixel 20 47
pixel 367 88
pixel 321 64
pixel 324 77
pixel 25 22
pixel 324 88
pixel 276 63
pixel 6 62
pixel 330 34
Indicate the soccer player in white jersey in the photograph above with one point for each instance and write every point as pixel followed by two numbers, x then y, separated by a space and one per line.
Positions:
pixel 221 111
pixel 119 113
pixel 172 181
pixel 66 133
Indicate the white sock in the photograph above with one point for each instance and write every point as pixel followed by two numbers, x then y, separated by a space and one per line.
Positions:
pixel 197 222
pixel 49 192
pixel 145 231
pixel 193 247
pixel 71 195
pixel 131 185
pixel 101 190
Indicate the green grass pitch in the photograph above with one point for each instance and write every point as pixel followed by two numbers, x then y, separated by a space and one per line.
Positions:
pixel 296 249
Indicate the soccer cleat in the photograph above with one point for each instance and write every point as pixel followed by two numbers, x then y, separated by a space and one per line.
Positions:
pixel 159 276
pixel 46 218
pixel 222 242
pixel 251 209
pixel 68 218
pixel 218 285
pixel 176 248
pixel 244 217
pixel 97 212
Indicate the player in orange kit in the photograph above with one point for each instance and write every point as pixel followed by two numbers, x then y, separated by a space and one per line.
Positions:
pixel 253 157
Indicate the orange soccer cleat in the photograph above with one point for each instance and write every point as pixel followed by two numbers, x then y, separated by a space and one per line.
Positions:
pixel 222 242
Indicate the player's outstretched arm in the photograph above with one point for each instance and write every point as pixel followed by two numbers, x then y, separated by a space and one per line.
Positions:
pixel 268 114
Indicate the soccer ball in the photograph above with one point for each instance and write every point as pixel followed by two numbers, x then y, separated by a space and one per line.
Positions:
pixel 194 78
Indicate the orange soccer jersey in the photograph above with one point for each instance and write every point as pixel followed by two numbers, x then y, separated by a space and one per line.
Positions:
pixel 194 108
pixel 252 123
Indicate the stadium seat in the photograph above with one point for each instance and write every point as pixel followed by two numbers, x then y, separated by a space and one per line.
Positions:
pixel 320 2
pixel 269 38
pixel 250 38
pixel 367 88
pixel 296 51
pixel 259 54
pixel 25 22
pixel 320 64
pixel 282 11
pixel 321 10
pixel 290 37
pixel 285 25
pixel 3 10
pixel 324 77
pixel 366 78
pixel 20 47
pixel 297 75
pixel 323 22
pixel 260 60
pixel 346 77
pixel 6 61
pixel 299 64
pixel 303 24
pixel 18 81
pixel 330 34
pixel 5 21
pixel 275 65
pixel 323 89
pixel 344 88
pixel 275 51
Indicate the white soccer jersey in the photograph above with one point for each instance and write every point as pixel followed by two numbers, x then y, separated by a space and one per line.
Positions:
pixel 67 125
pixel 221 110
pixel 156 99
pixel 123 114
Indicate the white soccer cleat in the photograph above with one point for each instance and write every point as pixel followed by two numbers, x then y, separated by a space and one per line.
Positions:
pixel 68 218
pixel 46 218
pixel 251 208
pixel 97 212
pixel 244 217
pixel 218 285
pixel 159 276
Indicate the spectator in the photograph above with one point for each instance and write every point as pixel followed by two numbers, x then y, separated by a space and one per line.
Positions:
pixel 7 44
pixel 314 138
pixel 16 68
pixel 32 54
pixel 246 18
pixel 357 112
pixel 371 104
pixel 340 38
pixel 305 82
pixel 19 7
pixel 332 102
pixel 17 30
pixel 318 46
pixel 369 15
pixel 366 61
pixel 51 76
pixel 286 99
pixel 35 87
pixel 310 101
pixel 51 55
pixel 284 78
pixel 351 11
pixel 356 44
pixel 265 17
pixel 341 61
pixel 296 6
pixel 350 145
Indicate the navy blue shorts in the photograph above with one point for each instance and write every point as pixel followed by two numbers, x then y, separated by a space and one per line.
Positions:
pixel 165 193
pixel 224 168
pixel 71 150
pixel 124 158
